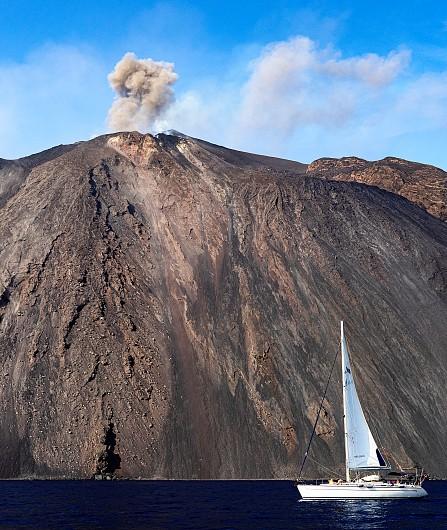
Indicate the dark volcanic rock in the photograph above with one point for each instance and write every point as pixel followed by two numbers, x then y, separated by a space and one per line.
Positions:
pixel 169 308
pixel 424 185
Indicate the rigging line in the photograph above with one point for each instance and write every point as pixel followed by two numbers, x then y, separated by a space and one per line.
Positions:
pixel 326 468
pixel 318 415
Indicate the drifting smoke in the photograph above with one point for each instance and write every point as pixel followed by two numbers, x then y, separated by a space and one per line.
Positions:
pixel 295 83
pixel 143 88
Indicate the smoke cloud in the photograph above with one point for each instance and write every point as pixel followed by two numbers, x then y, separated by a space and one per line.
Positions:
pixel 295 83
pixel 144 92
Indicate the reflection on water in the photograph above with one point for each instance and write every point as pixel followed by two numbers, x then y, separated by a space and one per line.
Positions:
pixel 347 513
pixel 355 511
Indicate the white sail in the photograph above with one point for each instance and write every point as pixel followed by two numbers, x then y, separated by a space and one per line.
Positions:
pixel 361 448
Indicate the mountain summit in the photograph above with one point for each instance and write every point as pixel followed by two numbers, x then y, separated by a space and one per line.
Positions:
pixel 170 308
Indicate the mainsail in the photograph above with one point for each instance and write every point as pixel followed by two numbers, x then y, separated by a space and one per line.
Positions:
pixel 361 449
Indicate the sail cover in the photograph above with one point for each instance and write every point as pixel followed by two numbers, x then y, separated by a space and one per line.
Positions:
pixel 361 448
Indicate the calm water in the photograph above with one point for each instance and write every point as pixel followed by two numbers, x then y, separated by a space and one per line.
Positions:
pixel 196 505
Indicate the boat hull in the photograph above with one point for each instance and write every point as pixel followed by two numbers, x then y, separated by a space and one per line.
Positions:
pixel 360 491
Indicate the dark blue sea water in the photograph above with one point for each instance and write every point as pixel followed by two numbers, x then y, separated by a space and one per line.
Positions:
pixel 197 505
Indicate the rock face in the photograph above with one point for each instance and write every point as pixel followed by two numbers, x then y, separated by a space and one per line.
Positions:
pixel 424 185
pixel 170 308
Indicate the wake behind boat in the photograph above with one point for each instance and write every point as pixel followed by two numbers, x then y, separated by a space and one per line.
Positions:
pixel 361 454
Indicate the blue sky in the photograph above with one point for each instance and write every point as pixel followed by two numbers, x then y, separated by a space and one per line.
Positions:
pixel 374 82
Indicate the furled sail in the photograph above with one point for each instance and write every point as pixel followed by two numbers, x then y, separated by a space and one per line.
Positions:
pixel 361 449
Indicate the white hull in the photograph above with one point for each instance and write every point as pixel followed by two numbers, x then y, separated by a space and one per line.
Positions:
pixel 355 490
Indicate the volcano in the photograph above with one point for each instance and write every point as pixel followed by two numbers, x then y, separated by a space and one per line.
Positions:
pixel 170 308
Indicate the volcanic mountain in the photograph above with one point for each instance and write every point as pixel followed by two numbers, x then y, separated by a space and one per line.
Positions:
pixel 170 308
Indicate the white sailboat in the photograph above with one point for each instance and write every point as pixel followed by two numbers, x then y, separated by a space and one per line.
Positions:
pixel 362 455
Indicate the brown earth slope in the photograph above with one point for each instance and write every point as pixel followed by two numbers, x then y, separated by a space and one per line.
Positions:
pixel 169 308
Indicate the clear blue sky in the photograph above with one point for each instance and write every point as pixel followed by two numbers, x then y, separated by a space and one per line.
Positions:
pixel 55 56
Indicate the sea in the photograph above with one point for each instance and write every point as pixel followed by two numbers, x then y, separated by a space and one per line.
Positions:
pixel 205 505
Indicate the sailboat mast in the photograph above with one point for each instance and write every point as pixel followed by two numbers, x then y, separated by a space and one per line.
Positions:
pixel 343 364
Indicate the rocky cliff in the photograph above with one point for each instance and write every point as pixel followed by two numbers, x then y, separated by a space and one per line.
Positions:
pixel 170 308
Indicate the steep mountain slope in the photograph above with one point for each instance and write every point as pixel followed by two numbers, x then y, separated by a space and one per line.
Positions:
pixel 169 308
pixel 14 172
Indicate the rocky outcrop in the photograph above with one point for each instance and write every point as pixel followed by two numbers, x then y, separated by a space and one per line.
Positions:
pixel 423 185
pixel 170 308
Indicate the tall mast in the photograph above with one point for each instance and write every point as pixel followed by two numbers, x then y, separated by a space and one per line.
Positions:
pixel 343 361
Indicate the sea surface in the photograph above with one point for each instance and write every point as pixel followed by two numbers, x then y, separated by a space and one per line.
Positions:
pixel 205 504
